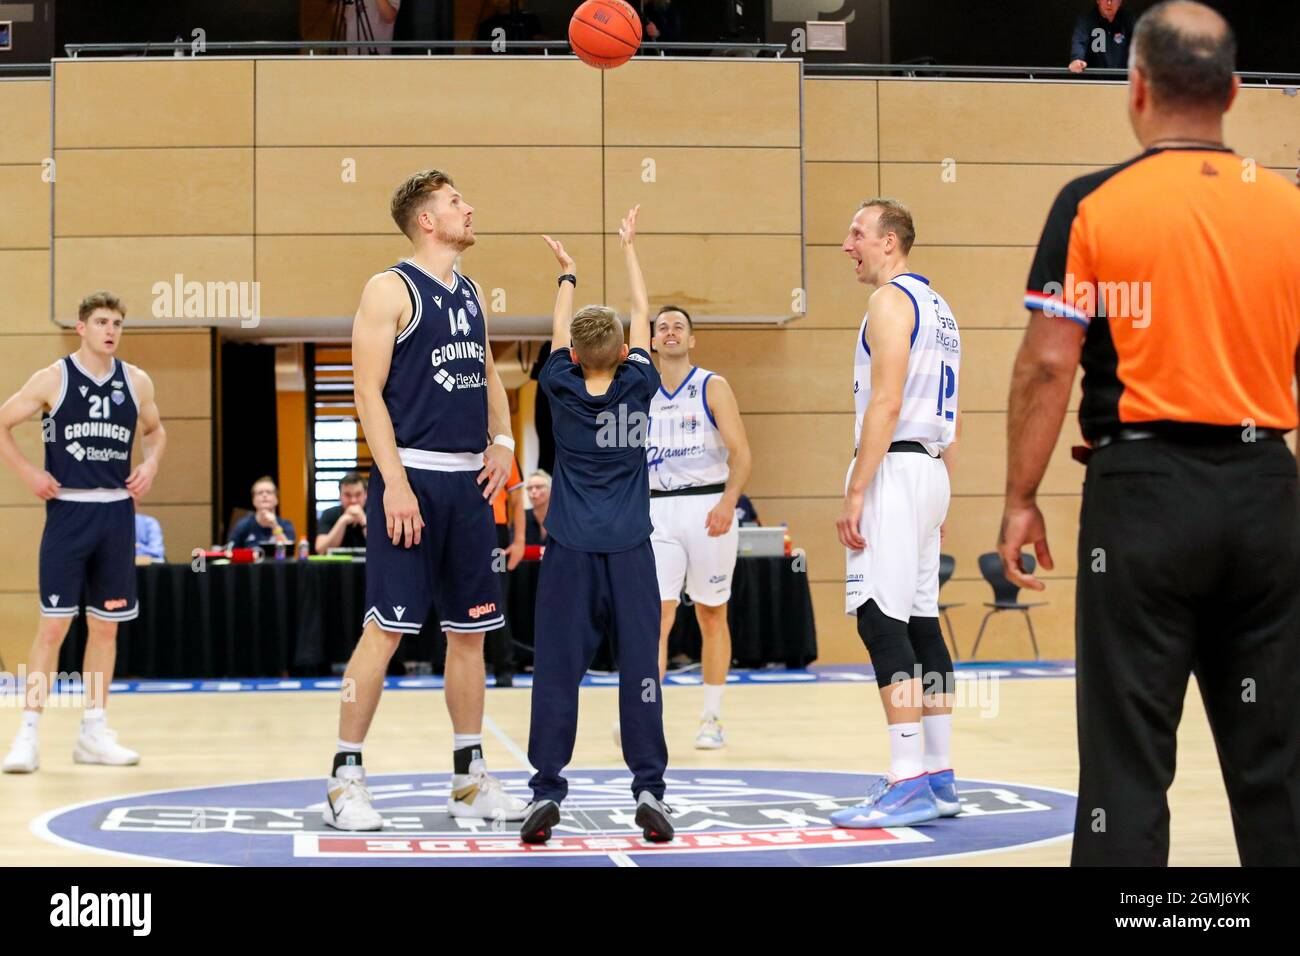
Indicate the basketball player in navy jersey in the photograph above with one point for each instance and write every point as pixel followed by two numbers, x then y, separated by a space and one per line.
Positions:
pixel 907 360
pixel 437 420
pixel 92 405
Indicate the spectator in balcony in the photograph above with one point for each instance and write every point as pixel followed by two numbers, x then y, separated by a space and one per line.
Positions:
pixel 148 538
pixel 661 22
pixel 263 527
pixel 539 496
pixel 380 15
pixel 1101 37
pixel 345 524
pixel 514 22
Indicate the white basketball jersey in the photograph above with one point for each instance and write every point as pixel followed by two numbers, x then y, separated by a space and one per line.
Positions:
pixel 684 448
pixel 929 412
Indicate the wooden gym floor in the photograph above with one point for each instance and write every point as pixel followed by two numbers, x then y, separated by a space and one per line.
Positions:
pixel 206 739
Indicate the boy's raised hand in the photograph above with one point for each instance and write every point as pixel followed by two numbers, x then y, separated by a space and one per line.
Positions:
pixel 627 230
pixel 565 260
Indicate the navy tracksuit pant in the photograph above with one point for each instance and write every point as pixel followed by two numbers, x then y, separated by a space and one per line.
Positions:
pixel 581 596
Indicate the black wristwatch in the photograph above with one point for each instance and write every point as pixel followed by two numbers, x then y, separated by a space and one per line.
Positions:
pixel 569 276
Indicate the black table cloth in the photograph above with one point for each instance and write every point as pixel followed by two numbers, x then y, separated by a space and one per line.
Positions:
pixel 303 618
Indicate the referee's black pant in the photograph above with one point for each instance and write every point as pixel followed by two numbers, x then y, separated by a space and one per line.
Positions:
pixel 1189 562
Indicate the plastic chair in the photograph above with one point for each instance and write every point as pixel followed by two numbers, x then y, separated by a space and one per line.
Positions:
pixel 1006 596
pixel 947 564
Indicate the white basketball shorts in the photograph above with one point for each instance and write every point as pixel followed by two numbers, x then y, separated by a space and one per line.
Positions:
pixel 904 506
pixel 685 554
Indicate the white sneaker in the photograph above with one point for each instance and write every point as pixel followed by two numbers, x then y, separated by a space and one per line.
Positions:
pixel 24 755
pixel 100 746
pixel 481 795
pixel 710 736
pixel 618 735
pixel 348 804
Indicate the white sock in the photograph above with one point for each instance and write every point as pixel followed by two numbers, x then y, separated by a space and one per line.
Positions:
pixel 713 700
pixel 31 721
pixel 906 751
pixel 93 719
pixel 348 747
pixel 937 731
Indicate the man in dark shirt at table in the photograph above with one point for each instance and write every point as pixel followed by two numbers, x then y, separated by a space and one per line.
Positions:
pixel 344 525
pixel 598 575
pixel 1101 37
pixel 263 527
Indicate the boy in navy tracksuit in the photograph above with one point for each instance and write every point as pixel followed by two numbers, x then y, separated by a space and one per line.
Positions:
pixel 599 569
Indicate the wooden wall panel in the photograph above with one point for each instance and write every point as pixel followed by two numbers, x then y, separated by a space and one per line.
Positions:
pixel 408 101
pixel 25 106
pixel 25 277
pixel 324 275
pixel 19 613
pixel 132 266
pixel 703 190
pixel 663 102
pixel 153 192
pixel 836 300
pixel 25 223
pixel 541 189
pixel 702 274
pixel 180 364
pixel 776 370
pixel 185 477
pixel 986 205
pixel 840 122
pixel 985 285
pixel 835 192
pixel 1264 124
pixel 157 102
pixel 1034 121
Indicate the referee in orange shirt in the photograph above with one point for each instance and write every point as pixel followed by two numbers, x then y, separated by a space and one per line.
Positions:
pixel 1175 279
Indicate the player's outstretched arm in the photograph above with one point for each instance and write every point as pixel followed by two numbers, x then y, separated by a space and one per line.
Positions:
pixel 153 437
pixel 889 336
pixel 638 333
pixel 41 391
pixel 721 402
pixel 563 315
pixel 374 330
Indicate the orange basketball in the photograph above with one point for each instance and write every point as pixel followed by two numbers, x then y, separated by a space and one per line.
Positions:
pixel 605 33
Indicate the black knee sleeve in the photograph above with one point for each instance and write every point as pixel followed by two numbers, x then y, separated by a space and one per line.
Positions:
pixel 932 654
pixel 887 644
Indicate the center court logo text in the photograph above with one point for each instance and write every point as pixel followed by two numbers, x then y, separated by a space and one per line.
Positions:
pixel 74 909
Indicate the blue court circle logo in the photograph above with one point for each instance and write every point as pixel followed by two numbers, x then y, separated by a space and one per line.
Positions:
pixel 724 817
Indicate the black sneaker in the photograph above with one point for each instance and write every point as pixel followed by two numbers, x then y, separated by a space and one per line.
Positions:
pixel 652 816
pixel 505 679
pixel 542 816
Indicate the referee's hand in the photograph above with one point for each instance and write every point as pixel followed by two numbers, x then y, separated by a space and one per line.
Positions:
pixel 1023 525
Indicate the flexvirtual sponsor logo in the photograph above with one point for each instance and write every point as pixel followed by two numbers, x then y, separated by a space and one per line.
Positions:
pixel 77 909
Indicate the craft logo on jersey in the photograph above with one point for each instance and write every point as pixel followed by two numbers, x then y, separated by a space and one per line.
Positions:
pixel 724 816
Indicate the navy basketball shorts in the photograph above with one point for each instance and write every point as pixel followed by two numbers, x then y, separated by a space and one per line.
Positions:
pixel 449 573
pixel 88 547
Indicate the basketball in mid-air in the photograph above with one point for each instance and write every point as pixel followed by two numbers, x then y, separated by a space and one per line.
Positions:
pixel 605 33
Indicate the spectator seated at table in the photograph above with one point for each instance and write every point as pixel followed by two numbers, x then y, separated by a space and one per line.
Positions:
pixel 344 525
pixel 539 496
pixel 661 22
pixel 746 515
pixel 263 527
pixel 1101 37
pixel 148 539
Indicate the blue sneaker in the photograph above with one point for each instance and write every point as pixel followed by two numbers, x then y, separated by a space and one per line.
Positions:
pixel 899 804
pixel 943 785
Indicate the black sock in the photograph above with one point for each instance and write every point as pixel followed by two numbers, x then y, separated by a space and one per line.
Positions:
pixel 461 759
pixel 350 758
